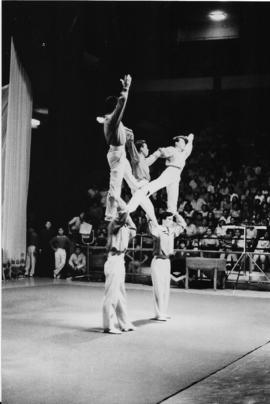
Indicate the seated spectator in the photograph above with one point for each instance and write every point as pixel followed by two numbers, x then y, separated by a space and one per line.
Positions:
pixel 220 230
pixel 226 203
pixel 190 229
pixel 217 211
pixel 61 245
pixel 204 212
pixel 188 211
pixel 235 210
pixel 76 263
pixel 181 204
pixel 201 226
pixel 224 189
pixel 226 244
pixel 209 242
pixel 226 216
pixel 197 202
pixel 263 246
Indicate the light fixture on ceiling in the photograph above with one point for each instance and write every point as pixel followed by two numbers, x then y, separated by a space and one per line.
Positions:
pixel 218 15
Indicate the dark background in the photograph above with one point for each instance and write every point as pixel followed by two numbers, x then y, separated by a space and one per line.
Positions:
pixel 75 54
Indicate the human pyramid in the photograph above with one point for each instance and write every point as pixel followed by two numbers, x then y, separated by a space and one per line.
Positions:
pixel 121 227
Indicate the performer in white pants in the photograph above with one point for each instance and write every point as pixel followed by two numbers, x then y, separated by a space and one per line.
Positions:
pixel 60 260
pixel 175 161
pixel 119 234
pixel 116 135
pixel 161 265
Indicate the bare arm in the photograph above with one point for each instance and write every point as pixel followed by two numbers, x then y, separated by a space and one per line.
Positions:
pixel 117 114
pixel 189 145
pixel 180 225
pixel 133 152
pixel 154 229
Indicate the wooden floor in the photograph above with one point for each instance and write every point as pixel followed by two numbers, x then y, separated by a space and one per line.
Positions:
pixel 215 349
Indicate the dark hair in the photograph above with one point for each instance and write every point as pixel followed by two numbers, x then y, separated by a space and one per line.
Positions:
pixel 139 144
pixel 164 215
pixel 110 103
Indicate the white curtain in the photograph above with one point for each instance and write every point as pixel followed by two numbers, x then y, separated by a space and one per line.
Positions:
pixel 16 142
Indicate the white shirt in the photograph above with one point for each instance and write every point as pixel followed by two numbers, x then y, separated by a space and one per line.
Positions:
pixel 120 240
pixel 78 261
pixel 174 157
pixel 166 237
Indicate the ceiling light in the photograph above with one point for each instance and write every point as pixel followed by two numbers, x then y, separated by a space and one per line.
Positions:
pixel 217 15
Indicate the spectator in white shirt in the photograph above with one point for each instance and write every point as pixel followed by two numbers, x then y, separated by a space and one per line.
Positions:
pixel 77 263
pixel 197 202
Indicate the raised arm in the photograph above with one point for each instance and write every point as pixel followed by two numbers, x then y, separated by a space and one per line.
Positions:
pixel 189 145
pixel 117 114
pixel 133 152
pixel 154 228
pixel 179 225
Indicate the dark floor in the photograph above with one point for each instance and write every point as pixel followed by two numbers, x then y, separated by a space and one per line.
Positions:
pixel 54 350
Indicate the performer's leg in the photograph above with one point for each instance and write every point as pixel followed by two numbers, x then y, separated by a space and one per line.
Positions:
pixel 168 176
pixel 60 260
pixel 159 284
pixel 172 197
pixel 144 202
pixel 167 284
pixel 28 261
pixel 121 307
pixel 117 161
pixel 32 259
pixel 112 285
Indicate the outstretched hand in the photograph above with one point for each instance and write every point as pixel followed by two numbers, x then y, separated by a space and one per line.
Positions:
pixel 126 81
pixel 190 137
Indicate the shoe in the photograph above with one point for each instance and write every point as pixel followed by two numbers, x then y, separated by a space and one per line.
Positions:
pixel 112 331
pixel 131 328
pixel 159 318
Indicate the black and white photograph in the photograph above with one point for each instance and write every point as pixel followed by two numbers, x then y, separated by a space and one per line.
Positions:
pixel 135 189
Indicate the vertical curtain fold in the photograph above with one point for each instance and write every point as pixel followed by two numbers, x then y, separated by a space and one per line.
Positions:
pixel 16 152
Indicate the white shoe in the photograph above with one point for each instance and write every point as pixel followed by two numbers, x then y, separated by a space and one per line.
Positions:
pixel 160 318
pixel 112 331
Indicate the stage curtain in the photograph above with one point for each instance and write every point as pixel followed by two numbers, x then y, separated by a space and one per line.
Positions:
pixel 16 142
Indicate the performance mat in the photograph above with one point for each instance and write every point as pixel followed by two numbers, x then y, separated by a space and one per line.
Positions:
pixel 54 351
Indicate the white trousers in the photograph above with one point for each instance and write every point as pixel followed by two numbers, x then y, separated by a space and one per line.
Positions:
pixel 170 179
pixel 60 260
pixel 161 278
pixel 114 303
pixel 117 162
pixel 135 185
pixel 30 260
pixel 120 169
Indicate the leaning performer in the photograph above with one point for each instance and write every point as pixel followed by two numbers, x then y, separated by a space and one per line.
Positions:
pixel 164 236
pixel 176 157
pixel 120 232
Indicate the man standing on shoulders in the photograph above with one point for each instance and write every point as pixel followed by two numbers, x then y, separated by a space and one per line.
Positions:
pixel 120 232
pixel 116 135
pixel 164 236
